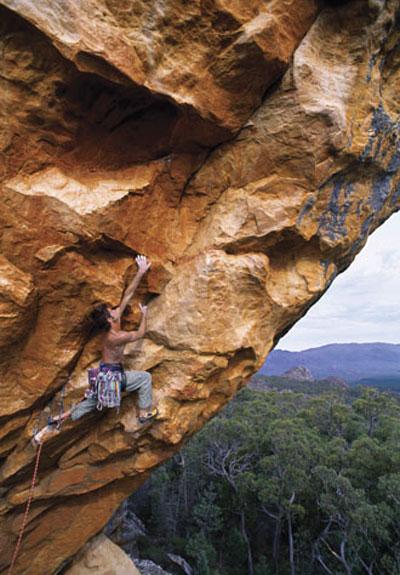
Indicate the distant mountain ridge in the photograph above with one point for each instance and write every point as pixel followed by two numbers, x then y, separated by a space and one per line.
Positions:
pixel 299 373
pixel 348 361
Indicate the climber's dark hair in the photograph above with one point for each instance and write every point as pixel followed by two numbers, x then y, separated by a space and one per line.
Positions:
pixel 99 317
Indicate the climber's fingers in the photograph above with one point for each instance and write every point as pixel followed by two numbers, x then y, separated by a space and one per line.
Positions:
pixel 143 263
pixel 143 309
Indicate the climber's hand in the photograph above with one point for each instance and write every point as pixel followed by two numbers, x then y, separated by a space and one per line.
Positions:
pixel 143 309
pixel 143 264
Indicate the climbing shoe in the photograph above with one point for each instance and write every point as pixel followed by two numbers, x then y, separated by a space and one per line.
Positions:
pixel 149 416
pixel 46 432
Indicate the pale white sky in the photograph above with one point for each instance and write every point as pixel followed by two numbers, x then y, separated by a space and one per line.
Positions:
pixel 362 304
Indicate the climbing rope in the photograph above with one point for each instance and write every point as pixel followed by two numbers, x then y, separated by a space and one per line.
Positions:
pixel 33 483
pixel 28 504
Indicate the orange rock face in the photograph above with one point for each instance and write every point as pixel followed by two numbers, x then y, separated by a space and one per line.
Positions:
pixel 248 148
pixel 103 556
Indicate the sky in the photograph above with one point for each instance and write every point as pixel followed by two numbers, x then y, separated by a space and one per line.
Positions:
pixel 363 303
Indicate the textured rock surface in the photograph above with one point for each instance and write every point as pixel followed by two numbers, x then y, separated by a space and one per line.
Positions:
pixel 125 529
pixel 104 557
pixel 160 128
pixel 148 567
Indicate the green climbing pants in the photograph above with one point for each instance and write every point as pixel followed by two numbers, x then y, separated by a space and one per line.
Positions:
pixel 139 381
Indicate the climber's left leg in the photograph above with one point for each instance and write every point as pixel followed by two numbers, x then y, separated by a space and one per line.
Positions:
pixel 52 428
pixel 83 407
pixel 54 423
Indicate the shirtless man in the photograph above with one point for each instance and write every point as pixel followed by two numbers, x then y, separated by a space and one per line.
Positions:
pixel 107 319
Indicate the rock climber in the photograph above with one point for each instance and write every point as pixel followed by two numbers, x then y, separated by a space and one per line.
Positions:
pixel 108 380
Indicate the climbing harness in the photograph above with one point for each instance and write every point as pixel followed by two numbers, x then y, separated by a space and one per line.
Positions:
pixel 28 505
pixel 106 384
pixel 108 390
pixel 91 391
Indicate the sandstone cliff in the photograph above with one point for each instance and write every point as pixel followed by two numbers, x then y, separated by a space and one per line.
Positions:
pixel 246 147
pixel 102 556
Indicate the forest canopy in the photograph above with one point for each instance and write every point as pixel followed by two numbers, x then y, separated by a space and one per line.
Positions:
pixel 283 482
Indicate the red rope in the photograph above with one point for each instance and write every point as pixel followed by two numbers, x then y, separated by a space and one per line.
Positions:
pixel 28 505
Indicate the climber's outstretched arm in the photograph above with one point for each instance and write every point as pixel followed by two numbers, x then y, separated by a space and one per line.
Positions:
pixel 143 322
pixel 143 265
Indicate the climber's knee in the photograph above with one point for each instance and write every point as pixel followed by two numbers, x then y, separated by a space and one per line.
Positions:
pixel 140 381
pixel 82 408
pixel 136 380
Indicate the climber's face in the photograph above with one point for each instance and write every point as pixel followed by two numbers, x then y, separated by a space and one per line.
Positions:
pixel 113 315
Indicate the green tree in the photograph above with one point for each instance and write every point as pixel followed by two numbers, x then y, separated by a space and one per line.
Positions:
pixel 373 405
pixel 282 484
